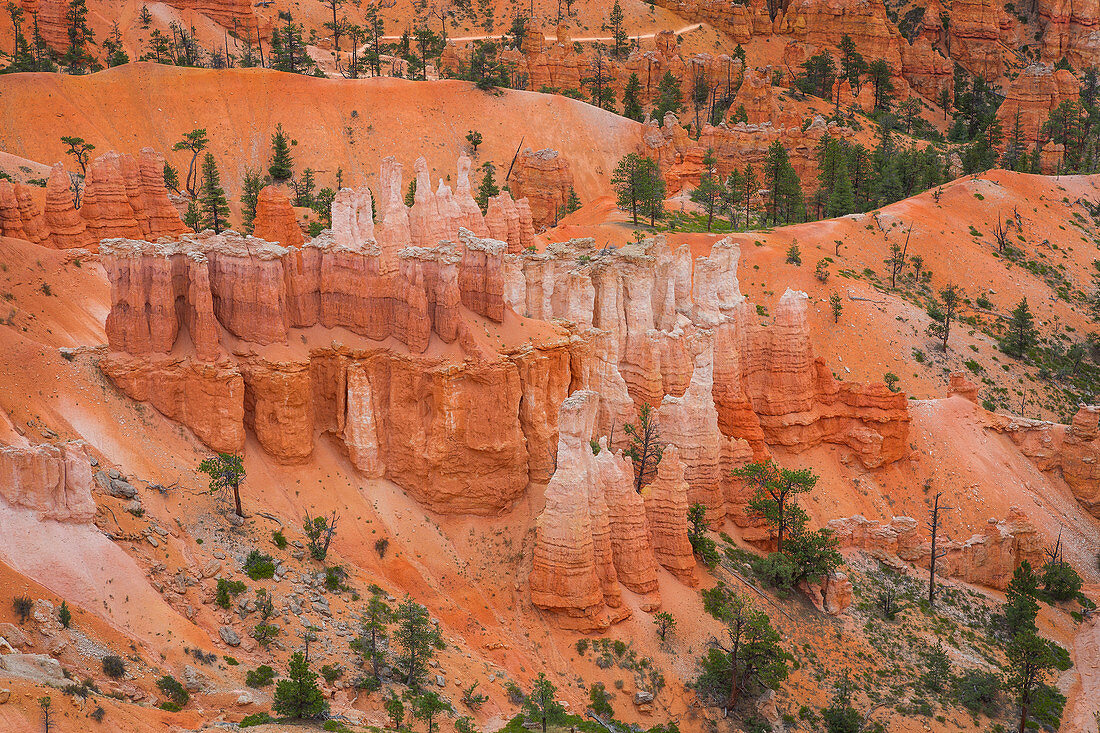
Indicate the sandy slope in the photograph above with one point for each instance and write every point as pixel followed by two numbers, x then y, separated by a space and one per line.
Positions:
pixel 334 122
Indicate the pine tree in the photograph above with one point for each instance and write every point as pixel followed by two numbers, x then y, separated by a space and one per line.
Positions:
pixel 21 58
pixel 410 193
pixel 710 192
pixel 669 97
pixel 632 107
pixel 417 640
pixel 250 194
pixel 488 187
pixel 883 86
pixel 282 165
pixel 1021 331
pixel 541 705
pixel 215 207
pixel 427 705
pixel 645 447
pixel 298 695
pixel 751 185
pixel 191 217
pixel 171 178
pixel 940 327
pixel 841 199
pixel 373 632
pixel 629 185
pixel 619 39
pixel 195 141
pixel 76 56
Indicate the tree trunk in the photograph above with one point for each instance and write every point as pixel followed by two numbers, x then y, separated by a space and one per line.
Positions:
pixel 237 499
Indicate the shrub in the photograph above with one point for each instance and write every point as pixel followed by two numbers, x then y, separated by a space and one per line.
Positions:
pixel 262 676
pixel 114 667
pixel 64 615
pixel 582 646
pixel 777 570
pixel 1060 581
pixel 22 605
pixel 255 719
pixel 226 589
pixel 600 700
pixel 231 661
pixel 98 714
pixel 891 380
pixel 381 546
pixel 334 578
pixel 259 566
pixel 794 255
pixel 977 691
pixel 173 690
pixel 330 673
pixel 821 272
pixel 280 541
pixel 265 633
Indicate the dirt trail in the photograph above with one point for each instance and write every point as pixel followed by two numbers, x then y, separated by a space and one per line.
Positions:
pixel 1084 698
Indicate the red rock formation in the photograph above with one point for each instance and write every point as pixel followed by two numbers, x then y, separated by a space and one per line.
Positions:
pixel 471 213
pixel 542 177
pixel 832 595
pixel 564 577
pixel 1074 449
pixel 481 276
pixel 61 218
pixel 1031 97
pixel 666 506
pixel 635 564
pixel 54 481
pixel 11 221
pixel 161 217
pixel 963 387
pixel 988 558
pixel 1070 30
pixel 275 218
pixel 352 218
pixel 105 205
pixel 278 407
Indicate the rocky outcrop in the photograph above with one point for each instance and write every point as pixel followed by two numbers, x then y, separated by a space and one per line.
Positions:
pixel 1073 449
pixel 54 481
pixel 61 218
pixel 1070 31
pixel 564 577
pixel 19 217
pixel 666 506
pixel 593 532
pixel 831 595
pixel 963 387
pixel 544 178
pixel 275 218
pixel 987 558
pixel 1030 99
pixel 106 206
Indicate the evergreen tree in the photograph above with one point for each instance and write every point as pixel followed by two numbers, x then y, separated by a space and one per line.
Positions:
pixel 1015 155
pixel 1029 659
pixel 541 705
pixel 195 141
pixel 619 39
pixel 747 656
pixel 215 207
pixel 940 327
pixel 750 185
pixel 288 50
pixel 488 187
pixel 303 189
pixel 76 57
pixel 632 107
pixel 841 198
pixel 775 496
pixel 191 217
pixel 80 150
pixel 819 71
pixel 710 192
pixel 852 65
pixel 1021 334
pixel 116 56
pixel 171 178
pixel 731 198
pixel 669 97
pixel 645 448
pixel 629 183
pixel 880 74
pixel 427 705
pixel 282 165
pixel 417 639
pixel 298 695
pixel 786 189
pixel 21 58
pixel 250 194
pixel 653 203
pixel 373 633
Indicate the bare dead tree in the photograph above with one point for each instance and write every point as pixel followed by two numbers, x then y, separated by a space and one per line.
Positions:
pixel 645 446
pixel 1000 234
pixel 934 527
pixel 319 531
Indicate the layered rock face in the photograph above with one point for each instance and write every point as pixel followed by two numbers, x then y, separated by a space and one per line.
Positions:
pixel 988 558
pixel 275 219
pixel 544 178
pixel 55 481
pixel 420 385
pixel 1073 449
pixel 666 507
pixel 593 533
pixel 122 197
pixel 19 217
pixel 1031 98
pixel 1071 29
